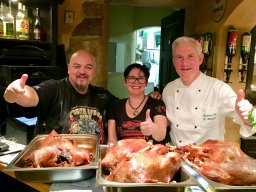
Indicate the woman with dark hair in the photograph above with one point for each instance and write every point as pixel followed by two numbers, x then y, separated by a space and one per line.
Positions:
pixel 137 116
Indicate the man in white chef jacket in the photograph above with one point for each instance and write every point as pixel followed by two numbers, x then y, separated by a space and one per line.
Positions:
pixel 196 104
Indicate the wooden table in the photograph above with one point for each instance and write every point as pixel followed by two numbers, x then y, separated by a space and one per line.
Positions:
pixel 37 186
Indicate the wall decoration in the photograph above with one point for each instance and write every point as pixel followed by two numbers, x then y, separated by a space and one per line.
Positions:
pixel 218 9
pixel 69 17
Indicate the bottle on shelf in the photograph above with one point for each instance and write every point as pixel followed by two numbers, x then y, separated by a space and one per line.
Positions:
pixel 245 53
pixel 230 52
pixel 9 23
pixel 1 20
pixel 37 26
pixel 22 23
pixel 199 38
pixel 19 20
pixel 207 43
pixel 206 49
pixel 245 47
pixel 231 44
pixel 25 23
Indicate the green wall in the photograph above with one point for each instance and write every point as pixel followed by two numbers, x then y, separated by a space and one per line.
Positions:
pixel 123 22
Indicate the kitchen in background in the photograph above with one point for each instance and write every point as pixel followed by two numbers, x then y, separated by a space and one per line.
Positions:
pixel 147 52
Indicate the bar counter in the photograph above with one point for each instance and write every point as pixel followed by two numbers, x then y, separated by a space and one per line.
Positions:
pixel 36 186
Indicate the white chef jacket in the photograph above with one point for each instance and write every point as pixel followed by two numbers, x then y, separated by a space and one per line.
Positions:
pixel 197 112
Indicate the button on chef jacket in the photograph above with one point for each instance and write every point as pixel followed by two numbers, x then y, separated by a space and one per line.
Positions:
pixel 197 112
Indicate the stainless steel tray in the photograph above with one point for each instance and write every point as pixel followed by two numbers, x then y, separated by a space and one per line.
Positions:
pixel 212 186
pixel 182 179
pixel 56 174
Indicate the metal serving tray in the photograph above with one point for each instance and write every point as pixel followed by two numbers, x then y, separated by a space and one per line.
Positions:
pixel 56 174
pixel 212 186
pixel 181 180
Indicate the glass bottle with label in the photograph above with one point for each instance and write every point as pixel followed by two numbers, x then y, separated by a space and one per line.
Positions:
pixel 25 23
pixel 207 43
pixel 22 23
pixel 206 49
pixel 245 47
pixel 9 23
pixel 19 20
pixel 37 26
pixel 231 44
pixel 1 20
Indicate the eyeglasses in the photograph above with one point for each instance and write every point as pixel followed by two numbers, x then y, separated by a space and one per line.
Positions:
pixel 132 79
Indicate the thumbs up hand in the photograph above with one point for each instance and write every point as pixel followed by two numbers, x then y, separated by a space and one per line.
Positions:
pixel 243 106
pixel 16 89
pixel 146 126
pixel 23 80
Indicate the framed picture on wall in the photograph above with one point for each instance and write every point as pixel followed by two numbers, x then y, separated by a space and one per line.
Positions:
pixel 69 17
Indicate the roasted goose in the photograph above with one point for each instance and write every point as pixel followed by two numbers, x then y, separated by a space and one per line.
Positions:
pixel 119 150
pixel 137 161
pixel 56 151
pixel 221 161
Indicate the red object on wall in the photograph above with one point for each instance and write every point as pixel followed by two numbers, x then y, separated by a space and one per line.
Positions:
pixel 231 44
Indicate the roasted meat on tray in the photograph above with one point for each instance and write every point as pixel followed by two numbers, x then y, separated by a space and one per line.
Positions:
pixel 222 162
pixel 122 148
pixel 56 151
pixel 138 161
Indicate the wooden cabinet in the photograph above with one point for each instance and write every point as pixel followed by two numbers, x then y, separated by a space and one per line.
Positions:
pixel 25 52
pixel 49 22
pixel 36 58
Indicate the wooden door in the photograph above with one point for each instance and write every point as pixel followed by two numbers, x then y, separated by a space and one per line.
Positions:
pixel 172 27
pixel 250 80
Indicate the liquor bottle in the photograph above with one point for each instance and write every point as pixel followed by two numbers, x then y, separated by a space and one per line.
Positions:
pixel 37 26
pixel 231 44
pixel 9 23
pixel 1 20
pixel 206 49
pixel 207 44
pixel 199 38
pixel 25 23
pixel 245 47
pixel 19 20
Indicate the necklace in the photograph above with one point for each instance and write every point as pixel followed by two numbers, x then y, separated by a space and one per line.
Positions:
pixel 136 112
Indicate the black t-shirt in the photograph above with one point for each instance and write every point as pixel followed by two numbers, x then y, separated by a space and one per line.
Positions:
pixel 127 127
pixel 63 109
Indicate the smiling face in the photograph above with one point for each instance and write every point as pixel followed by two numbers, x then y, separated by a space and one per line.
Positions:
pixel 81 70
pixel 187 62
pixel 136 82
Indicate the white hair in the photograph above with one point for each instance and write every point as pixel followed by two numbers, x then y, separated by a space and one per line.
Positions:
pixel 184 39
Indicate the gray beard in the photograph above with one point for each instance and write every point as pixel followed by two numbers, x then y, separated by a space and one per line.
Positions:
pixel 81 88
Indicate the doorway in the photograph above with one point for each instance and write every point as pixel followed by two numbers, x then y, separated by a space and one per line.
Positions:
pixel 124 21
pixel 147 53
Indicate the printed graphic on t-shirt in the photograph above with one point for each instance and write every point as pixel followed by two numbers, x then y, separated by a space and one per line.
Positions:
pixel 86 120
pixel 130 129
